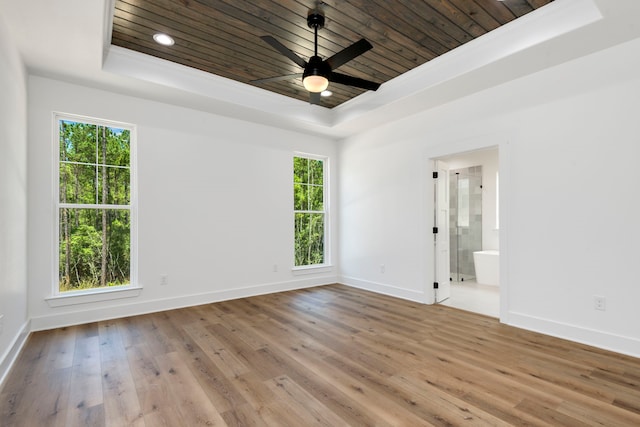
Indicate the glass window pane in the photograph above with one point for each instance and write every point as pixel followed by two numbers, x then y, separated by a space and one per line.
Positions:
pixel 315 198
pixel 77 183
pixel 300 169
pixel 301 238
pixel 316 239
pixel 300 197
pixel 316 171
pixel 309 239
pixel 117 185
pixel 91 255
pixel 77 142
pixel 117 147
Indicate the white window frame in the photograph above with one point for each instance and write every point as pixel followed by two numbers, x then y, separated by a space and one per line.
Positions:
pixel 132 289
pixel 326 265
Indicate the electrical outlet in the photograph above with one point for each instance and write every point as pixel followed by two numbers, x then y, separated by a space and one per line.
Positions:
pixel 599 303
pixel 275 268
pixel 164 280
pixel 382 268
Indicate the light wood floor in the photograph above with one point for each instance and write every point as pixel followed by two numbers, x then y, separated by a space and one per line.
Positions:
pixel 330 356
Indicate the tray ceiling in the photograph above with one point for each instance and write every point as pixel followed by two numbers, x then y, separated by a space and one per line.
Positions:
pixel 222 37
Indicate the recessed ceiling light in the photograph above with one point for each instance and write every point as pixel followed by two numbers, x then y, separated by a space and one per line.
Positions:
pixel 163 39
pixel 326 93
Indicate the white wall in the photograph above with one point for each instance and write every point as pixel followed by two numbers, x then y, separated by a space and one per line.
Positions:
pixel 215 203
pixel 569 167
pixel 13 201
pixel 488 159
pixel 382 219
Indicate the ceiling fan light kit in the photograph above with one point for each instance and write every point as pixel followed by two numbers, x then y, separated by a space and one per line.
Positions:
pixel 318 72
pixel 315 84
pixel 314 78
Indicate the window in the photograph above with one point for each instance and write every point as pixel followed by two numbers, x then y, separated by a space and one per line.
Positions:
pixel 95 210
pixel 310 210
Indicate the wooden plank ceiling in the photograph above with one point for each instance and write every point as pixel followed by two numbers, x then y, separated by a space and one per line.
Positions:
pixel 223 36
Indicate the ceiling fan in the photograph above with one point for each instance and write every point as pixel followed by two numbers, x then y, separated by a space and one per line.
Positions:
pixel 318 72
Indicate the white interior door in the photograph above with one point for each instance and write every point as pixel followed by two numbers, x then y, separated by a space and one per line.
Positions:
pixel 441 238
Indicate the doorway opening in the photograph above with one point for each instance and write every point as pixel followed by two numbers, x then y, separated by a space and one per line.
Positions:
pixel 473 231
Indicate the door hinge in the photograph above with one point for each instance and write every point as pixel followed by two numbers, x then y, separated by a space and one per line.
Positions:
pixel 435 174
pixel 435 230
pixel 435 285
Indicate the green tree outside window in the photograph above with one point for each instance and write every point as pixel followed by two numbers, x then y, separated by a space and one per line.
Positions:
pixel 309 211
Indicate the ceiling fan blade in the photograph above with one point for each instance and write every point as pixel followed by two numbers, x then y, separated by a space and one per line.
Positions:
pixel 353 81
pixel 348 53
pixel 283 50
pixel 314 98
pixel 277 78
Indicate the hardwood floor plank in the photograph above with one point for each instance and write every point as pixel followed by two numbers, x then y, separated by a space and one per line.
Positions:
pixel 493 395
pixel 254 390
pixel 320 387
pixel 378 406
pixel 131 330
pixel 207 339
pixel 121 403
pixel 50 408
pixel 243 416
pixel 61 351
pixel 211 379
pixel 599 415
pixel 306 406
pixel 193 404
pixel 442 407
pixel 86 398
pixel 330 356
pixel 92 416
pixel 19 386
pixel 548 414
pixel 279 414
pixel 47 377
pixel 245 336
pixel 154 392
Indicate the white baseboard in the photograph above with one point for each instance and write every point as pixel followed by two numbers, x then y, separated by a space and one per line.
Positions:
pixel 9 356
pixel 384 289
pixel 604 340
pixel 620 344
pixel 136 308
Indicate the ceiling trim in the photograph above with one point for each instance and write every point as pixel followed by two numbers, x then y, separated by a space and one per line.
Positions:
pixel 109 9
pixel 540 26
pixel 421 85
pixel 148 68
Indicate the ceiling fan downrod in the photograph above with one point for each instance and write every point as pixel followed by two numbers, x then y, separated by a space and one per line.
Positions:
pixel 315 20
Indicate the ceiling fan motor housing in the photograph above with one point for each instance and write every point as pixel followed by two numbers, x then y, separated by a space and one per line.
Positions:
pixel 316 67
pixel 315 19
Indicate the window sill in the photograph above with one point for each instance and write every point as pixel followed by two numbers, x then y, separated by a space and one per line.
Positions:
pixel 98 295
pixel 312 269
